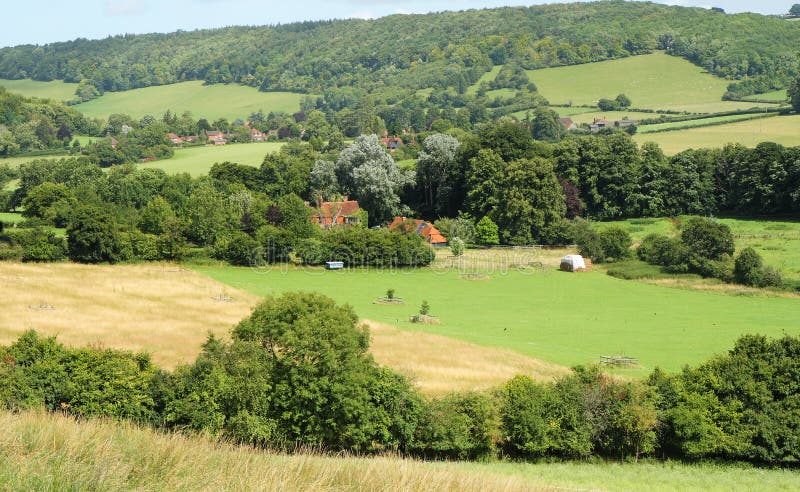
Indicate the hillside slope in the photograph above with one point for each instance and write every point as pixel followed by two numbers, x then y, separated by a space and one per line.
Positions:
pixel 417 51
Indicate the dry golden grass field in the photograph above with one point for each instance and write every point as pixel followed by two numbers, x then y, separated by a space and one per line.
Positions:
pixel 168 311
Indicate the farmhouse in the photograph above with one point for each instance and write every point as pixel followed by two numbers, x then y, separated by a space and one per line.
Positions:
pixel 392 143
pixel 421 227
pixel 175 139
pixel 216 138
pixel 568 124
pixel 599 124
pixel 257 135
pixel 114 143
pixel 337 213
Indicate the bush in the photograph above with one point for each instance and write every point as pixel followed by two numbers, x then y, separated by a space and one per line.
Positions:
pixel 457 246
pixel 40 244
pixel 459 426
pixel 707 239
pixel 93 237
pixel 588 241
pixel 770 277
pixel 487 232
pixel 615 243
pixel 747 269
pixel 238 248
pixel 356 246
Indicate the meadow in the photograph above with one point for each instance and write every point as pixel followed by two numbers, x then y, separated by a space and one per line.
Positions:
pixel 563 318
pixel 56 89
pixel 198 160
pixel 486 77
pixel 168 311
pixel 654 81
pixel 228 101
pixel 56 452
pixel 777 241
pixel 784 130
pixel 717 120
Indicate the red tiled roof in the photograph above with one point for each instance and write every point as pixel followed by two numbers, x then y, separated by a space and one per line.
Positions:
pixel 424 229
pixel 325 211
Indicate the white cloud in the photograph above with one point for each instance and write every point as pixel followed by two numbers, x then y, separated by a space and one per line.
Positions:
pixel 124 7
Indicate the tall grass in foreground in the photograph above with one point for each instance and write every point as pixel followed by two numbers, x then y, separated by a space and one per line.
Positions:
pixel 43 452
pixel 53 452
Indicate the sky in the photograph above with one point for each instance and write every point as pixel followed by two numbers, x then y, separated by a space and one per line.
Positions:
pixel 31 22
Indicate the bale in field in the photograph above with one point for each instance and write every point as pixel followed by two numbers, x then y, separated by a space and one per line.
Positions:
pixel 575 263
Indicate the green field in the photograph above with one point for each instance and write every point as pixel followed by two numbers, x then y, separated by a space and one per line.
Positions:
pixel 57 89
pixel 784 130
pixel 558 317
pixel 777 241
pixel 11 218
pixel 655 81
pixel 487 77
pixel 775 96
pixel 717 120
pixel 229 101
pixel 198 160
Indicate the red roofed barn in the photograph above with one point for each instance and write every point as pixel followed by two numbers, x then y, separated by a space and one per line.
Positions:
pixel 345 212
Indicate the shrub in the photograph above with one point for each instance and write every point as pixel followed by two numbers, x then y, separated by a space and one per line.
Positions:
pixel 238 248
pixel 770 277
pixel 588 240
pixel 487 232
pixel 40 244
pixel 615 243
pixel 459 426
pixel 93 236
pixel 457 246
pixel 707 239
pixel 747 269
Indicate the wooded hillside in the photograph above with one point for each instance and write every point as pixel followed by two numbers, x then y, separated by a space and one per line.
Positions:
pixel 394 55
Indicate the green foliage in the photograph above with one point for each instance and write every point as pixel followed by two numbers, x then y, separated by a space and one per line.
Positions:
pixel 40 244
pixel 706 239
pixel 456 246
pixel 360 247
pixel 459 426
pixel 425 308
pixel 750 270
pixel 93 236
pixel 615 243
pixel 487 232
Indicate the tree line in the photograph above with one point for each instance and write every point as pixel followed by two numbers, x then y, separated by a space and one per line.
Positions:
pixel 439 50
pixel 297 373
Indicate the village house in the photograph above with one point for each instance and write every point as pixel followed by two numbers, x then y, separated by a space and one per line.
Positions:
pixel 114 143
pixel 336 213
pixel 175 139
pixel 257 135
pixel 215 137
pixel 421 227
pixel 392 143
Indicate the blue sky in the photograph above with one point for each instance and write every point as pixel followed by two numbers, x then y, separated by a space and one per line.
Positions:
pixel 25 22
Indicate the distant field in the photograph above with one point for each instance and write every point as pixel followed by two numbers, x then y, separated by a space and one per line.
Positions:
pixel 501 93
pixel 56 89
pixel 776 240
pixel 11 218
pixel 229 101
pixel 198 160
pixel 784 130
pixel 487 77
pixel 562 318
pixel 655 81
pixel 775 96
pixel 718 120
pixel 611 116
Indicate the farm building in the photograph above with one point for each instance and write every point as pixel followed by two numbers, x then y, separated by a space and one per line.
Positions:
pixel 568 124
pixel 392 143
pixel 575 263
pixel 599 124
pixel 216 138
pixel 625 123
pixel 421 227
pixel 340 213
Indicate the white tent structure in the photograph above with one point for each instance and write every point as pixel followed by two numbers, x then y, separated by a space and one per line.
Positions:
pixel 573 263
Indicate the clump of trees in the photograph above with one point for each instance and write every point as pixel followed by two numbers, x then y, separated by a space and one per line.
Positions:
pixel 297 372
pixel 705 247
pixel 619 103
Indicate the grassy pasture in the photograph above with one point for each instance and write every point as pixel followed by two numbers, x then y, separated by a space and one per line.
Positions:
pixel 198 160
pixel 558 317
pixel 168 311
pixel 56 89
pixel 774 96
pixel 777 241
pixel 718 120
pixel 655 81
pixel 487 77
pixel 229 101
pixel 55 452
pixel 784 130
pixel 11 218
